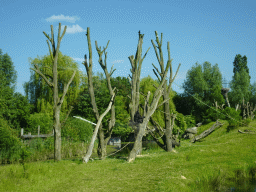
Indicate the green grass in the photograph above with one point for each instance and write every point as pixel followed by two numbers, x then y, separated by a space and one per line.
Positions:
pixel 218 162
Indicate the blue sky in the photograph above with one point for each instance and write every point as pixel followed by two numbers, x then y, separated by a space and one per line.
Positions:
pixel 198 31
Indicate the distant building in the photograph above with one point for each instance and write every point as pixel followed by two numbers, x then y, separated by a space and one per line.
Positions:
pixel 116 141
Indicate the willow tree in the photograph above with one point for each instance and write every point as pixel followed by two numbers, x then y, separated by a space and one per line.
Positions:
pixel 139 123
pixel 38 91
pixel 103 136
pixel 52 82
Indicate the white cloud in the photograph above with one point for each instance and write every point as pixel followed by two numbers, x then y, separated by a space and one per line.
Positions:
pixel 73 29
pixel 62 18
pixel 70 29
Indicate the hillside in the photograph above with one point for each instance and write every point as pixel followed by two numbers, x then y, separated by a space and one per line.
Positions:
pixel 217 163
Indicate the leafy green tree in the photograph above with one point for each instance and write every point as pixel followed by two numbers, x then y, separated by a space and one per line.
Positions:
pixel 7 70
pixel 204 84
pixel 253 94
pixel 147 84
pixel 240 63
pixel 240 86
pixel 38 91
pixel 7 85
pixel 19 111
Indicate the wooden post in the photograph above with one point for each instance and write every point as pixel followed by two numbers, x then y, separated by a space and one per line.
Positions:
pixel 38 130
pixel 21 131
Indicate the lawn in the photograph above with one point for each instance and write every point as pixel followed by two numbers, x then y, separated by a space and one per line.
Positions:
pixel 219 162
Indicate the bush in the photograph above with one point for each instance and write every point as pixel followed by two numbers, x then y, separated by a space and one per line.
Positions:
pixel 213 115
pixel 10 144
pixel 180 123
pixel 77 130
pixel 43 119
pixel 235 119
pixel 207 121
pixel 37 144
pixel 122 130
pixel 190 120
pixel 49 143
pixel 245 122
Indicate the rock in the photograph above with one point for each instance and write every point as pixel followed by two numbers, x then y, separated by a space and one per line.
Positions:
pixel 190 133
pixel 191 130
pixel 199 124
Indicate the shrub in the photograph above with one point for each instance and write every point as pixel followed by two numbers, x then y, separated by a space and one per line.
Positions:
pixel 180 123
pixel 77 130
pixel 10 144
pixel 122 129
pixel 43 119
pixel 190 120
pixel 234 121
pixel 49 143
pixel 213 115
pixel 207 121
pixel 245 122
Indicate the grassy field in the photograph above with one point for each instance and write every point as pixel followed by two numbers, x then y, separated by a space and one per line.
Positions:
pixel 219 162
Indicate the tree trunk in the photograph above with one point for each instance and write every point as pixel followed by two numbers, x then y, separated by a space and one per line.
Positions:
pixel 136 150
pixel 57 134
pixel 206 132
pixel 102 148
pixel 246 132
pixel 89 151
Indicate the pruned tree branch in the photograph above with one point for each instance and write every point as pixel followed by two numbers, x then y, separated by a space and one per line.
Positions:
pixel 64 122
pixel 42 75
pixel 89 151
pixel 66 88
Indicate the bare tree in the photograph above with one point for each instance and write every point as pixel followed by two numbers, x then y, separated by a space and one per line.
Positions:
pixel 141 122
pixel 103 136
pixel 166 133
pixel 169 118
pixel 54 85
pixel 136 64
pixel 89 151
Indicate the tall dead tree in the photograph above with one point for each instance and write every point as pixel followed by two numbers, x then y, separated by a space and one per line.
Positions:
pixel 168 118
pixel 54 85
pixel 139 122
pixel 102 136
pixel 89 151
pixel 136 64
